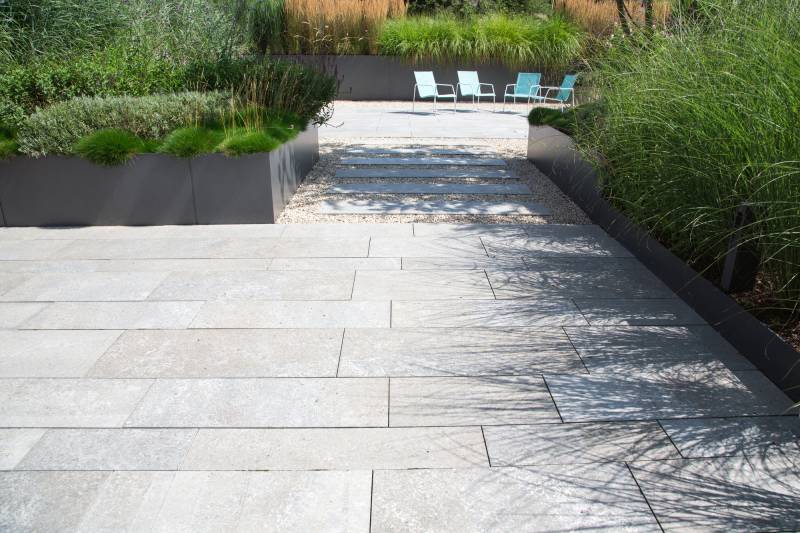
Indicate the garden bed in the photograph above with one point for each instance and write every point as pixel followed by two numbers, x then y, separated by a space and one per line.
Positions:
pixel 155 189
pixel 554 154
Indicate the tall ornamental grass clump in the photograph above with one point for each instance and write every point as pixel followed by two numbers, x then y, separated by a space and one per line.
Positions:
pixel 518 41
pixel 601 17
pixel 703 120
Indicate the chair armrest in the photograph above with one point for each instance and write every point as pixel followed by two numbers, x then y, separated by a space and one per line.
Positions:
pixel 452 88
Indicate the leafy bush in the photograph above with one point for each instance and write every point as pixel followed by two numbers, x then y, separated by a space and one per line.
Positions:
pixel 248 142
pixel 471 7
pixel 109 147
pixel 568 121
pixel 56 129
pixel 703 120
pixel 516 40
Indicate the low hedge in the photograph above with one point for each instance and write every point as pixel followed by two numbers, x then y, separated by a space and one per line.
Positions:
pixel 56 129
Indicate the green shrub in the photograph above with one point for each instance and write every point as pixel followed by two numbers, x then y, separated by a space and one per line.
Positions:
pixel 568 121
pixel 188 142
pixel 701 121
pixel 109 147
pixel 248 142
pixel 8 147
pixel 517 41
pixel 56 129
pixel 471 7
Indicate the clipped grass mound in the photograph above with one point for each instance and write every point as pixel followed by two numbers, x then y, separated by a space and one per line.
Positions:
pixel 188 142
pixel 109 147
pixel 248 142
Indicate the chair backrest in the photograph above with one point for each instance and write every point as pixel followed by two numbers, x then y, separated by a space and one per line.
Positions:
pixel 426 84
pixel 470 85
pixel 526 81
pixel 568 83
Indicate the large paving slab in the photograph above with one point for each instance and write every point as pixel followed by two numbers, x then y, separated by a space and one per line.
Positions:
pixel 577 443
pixel 166 502
pixel 422 285
pixel 424 173
pixel 431 207
pixel 217 231
pixel 449 248
pixel 315 246
pixel 463 263
pixel 90 286
pixel 454 150
pixel 431 188
pixel 728 494
pixel 456 352
pixel 425 161
pixel 455 401
pixel 638 312
pixel 328 264
pixel 109 449
pixel 114 315
pixel 336 449
pixel 232 353
pixel 286 314
pixel 346 231
pixel 718 437
pixel 620 349
pixel 485 314
pixel 248 285
pixel 77 266
pixel 51 353
pixel 69 402
pixel 169 248
pixel 12 315
pixel 508 231
pixel 587 244
pixel 269 402
pixel 601 497
pixel 682 392
pixel 28 250
pixel 15 443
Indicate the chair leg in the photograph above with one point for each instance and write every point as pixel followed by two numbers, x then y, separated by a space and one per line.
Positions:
pixel 414 102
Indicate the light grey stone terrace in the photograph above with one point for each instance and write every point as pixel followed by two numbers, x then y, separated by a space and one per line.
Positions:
pixel 372 377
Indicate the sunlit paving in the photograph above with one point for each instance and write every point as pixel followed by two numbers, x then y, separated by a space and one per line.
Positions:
pixel 399 266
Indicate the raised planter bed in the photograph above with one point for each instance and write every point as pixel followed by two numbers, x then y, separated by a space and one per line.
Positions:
pixel 392 78
pixel 155 189
pixel 554 154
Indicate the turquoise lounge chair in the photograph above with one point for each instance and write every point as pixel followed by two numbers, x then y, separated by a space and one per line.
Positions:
pixel 470 85
pixel 427 87
pixel 527 86
pixel 565 94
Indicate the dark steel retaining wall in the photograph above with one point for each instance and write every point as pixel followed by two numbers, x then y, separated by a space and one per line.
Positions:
pixel 554 154
pixel 155 189
pixel 392 78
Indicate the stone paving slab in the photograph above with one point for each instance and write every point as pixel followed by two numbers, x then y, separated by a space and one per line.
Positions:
pixel 423 173
pixel 29 249
pixel 321 247
pixel 336 449
pixel 89 286
pixel 728 494
pixel 248 285
pixel 109 449
pixel 431 188
pixel 456 352
pixel 449 248
pixel 77 266
pixel 69 402
pixel 286 314
pixel 485 314
pixel 588 280
pixel 650 312
pixel 222 353
pixel 617 350
pixel 547 246
pixel 268 402
pixel 166 502
pixel 467 151
pixel 328 264
pixel 170 248
pixel 601 497
pixel 717 437
pixel 577 443
pixel 9 282
pixel 431 207
pixel 463 263
pixel 422 229
pixel 114 315
pixel 425 161
pixel 679 393
pixel 422 285
pixel 346 231
pixel 12 315
pixel 490 400
pixel 51 353
pixel 16 443
pixel 201 232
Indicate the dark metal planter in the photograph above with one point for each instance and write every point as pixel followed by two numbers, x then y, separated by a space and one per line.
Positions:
pixel 554 154
pixel 155 189
pixel 392 78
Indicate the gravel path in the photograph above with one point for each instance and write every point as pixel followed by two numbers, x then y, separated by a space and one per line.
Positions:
pixel 305 205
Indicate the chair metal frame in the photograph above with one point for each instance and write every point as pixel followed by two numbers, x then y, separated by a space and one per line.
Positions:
pixel 436 96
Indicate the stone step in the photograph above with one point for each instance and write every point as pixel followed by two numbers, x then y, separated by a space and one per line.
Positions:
pixel 430 188
pixel 423 173
pixel 438 207
pixel 421 151
pixel 425 161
